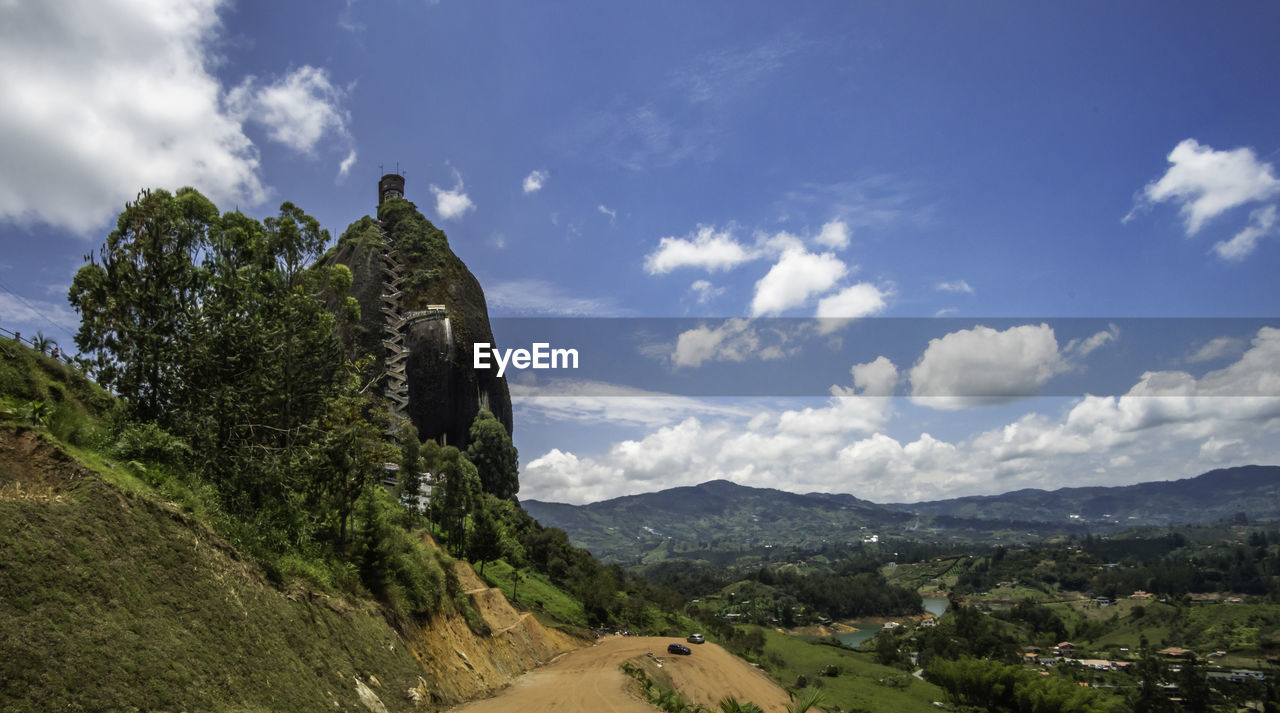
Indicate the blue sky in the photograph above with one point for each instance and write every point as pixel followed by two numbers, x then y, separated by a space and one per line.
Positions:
pixel 713 161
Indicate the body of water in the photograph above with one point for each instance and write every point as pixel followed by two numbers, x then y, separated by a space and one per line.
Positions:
pixel 868 629
pixel 936 605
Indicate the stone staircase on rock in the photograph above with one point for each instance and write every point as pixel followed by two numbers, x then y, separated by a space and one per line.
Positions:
pixel 396 325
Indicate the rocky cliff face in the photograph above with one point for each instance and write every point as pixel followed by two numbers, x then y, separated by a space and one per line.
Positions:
pixel 444 392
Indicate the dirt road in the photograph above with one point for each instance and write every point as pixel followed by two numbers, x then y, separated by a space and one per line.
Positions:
pixel 589 680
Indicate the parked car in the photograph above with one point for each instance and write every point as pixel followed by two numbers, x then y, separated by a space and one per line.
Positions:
pixel 696 639
pixel 680 649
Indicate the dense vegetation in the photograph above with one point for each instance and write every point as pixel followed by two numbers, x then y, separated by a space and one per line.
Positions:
pixel 1168 564
pixel 228 342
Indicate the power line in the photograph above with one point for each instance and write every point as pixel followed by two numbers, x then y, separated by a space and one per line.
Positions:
pixel 34 309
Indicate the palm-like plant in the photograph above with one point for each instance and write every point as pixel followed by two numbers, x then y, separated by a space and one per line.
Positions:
pixel 42 343
pixel 806 699
pixel 729 704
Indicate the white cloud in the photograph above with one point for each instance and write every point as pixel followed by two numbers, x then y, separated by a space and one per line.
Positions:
pixel 704 291
pixel 834 235
pixel 535 181
pixel 345 167
pixel 875 378
pixel 539 297
pixel 1206 182
pixel 605 210
pixel 860 300
pixel 734 340
pixel 1168 425
pixel 954 286
pixel 706 249
pixel 1262 222
pixel 558 473
pixel 298 109
pixel 981 364
pixel 105 98
pixel 771 448
pixel 1216 349
pixel 453 203
pixel 797 276
pixel 1081 348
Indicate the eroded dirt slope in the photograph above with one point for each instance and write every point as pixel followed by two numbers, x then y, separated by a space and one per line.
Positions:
pixel 590 680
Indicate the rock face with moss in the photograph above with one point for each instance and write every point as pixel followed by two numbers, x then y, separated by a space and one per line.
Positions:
pixel 444 392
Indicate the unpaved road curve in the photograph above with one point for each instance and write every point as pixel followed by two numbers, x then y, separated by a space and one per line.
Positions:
pixel 589 680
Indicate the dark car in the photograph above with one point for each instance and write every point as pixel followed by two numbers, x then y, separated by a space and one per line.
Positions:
pixel 680 649
pixel 696 639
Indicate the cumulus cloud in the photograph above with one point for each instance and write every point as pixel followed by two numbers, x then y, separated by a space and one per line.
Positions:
pixel 453 203
pixel 105 98
pixel 1205 182
pixel 557 474
pixel 834 235
pixel 705 248
pixel 981 364
pixel 954 286
pixel 875 378
pixel 1262 222
pixel 1163 407
pixel 1169 424
pixel 861 300
pixel 535 181
pixel 297 109
pixel 771 448
pixel 797 276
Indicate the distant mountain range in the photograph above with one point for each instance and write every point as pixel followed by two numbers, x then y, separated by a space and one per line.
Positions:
pixel 720 515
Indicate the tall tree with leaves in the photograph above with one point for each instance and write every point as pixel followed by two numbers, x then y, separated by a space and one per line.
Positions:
pixel 485 541
pixel 455 496
pixel 494 456
pixel 136 300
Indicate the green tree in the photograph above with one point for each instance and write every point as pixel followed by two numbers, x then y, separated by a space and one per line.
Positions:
pixel 1150 670
pixel 485 541
pixel 454 497
pixel 348 458
pixel 1193 687
pixel 494 456
pixel 135 300
pixel 887 651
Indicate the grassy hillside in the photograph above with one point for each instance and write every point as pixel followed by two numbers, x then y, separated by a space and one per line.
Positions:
pixel 113 600
pixel 122 588
pixel 859 684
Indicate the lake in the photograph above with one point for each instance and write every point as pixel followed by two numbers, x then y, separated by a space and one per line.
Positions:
pixel 868 629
